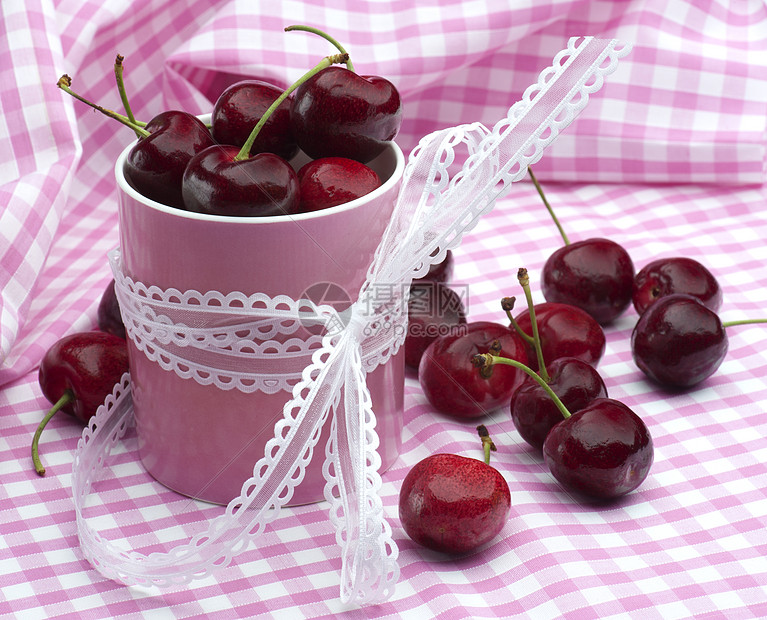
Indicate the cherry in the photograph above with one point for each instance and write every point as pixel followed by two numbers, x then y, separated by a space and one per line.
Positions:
pixel 240 107
pixel 595 274
pixel 76 374
pixel 677 274
pixel 441 271
pixel 574 381
pixel 155 164
pixel 678 342
pixel 108 314
pixel 454 387
pixel 218 181
pixel 225 180
pixel 534 413
pixel 339 113
pixel 454 504
pixel 604 450
pixel 565 331
pixel 434 310
pixel 332 181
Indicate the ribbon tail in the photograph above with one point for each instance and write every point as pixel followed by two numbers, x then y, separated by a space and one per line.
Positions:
pixel 262 496
pixel 369 569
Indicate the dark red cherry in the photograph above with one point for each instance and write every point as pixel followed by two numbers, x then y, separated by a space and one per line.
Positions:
pixel 340 113
pixel 596 275
pixel 676 274
pixel 108 314
pixel 434 310
pixel 453 385
pixel 332 181
pixel 216 182
pixel 155 165
pixel 679 342
pixel 453 504
pixel 534 413
pixel 441 271
pixel 76 374
pixel 565 331
pixel 604 450
pixel 241 106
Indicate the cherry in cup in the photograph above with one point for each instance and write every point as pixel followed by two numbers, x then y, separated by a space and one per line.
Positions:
pixel 675 274
pixel 155 164
pixel 340 113
pixel 239 108
pixel 331 181
pixel 76 374
pixel 678 342
pixel 454 504
pixel 594 274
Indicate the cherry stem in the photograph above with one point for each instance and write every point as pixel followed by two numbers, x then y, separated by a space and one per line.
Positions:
pixel 323 64
pixel 524 282
pixel 325 36
pixel 65 82
pixel 66 397
pixel 123 95
pixel 548 206
pixel 484 360
pixel 507 305
pixel 487 444
pixel 743 322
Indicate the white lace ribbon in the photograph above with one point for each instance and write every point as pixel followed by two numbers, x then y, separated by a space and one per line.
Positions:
pixel 249 344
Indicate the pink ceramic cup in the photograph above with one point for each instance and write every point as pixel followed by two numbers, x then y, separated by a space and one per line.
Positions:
pixel 202 441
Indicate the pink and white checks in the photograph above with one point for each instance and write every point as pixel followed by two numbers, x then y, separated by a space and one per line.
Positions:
pixel 668 158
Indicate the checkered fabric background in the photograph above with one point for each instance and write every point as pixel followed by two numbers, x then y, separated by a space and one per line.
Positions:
pixel 667 159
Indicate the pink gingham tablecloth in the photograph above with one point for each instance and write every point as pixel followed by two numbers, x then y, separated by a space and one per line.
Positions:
pixel 668 159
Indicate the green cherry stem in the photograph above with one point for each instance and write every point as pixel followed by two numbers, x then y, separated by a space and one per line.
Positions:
pixel 487 444
pixel 118 68
pixel 524 282
pixel 486 360
pixel 507 305
pixel 65 83
pixel 726 324
pixel 325 36
pixel 548 207
pixel 66 397
pixel 323 64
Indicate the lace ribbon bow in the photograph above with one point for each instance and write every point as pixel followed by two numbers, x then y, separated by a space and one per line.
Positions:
pixel 433 211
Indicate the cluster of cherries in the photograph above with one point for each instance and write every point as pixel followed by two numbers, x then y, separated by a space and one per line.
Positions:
pixel 241 165
pixel 541 366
